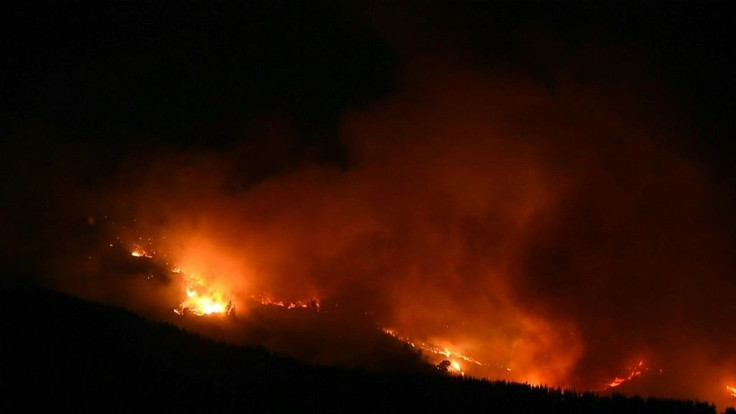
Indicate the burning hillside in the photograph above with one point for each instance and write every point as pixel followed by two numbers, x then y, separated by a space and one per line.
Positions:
pixel 519 199
pixel 209 296
pixel 511 250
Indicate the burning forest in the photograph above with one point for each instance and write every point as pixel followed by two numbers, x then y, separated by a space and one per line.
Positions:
pixel 553 213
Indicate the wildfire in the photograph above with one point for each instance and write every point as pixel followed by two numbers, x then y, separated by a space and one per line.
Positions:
pixel 450 363
pixel 731 390
pixel 202 300
pixel 396 335
pixel 140 252
pixel 447 353
pixel 314 303
pixel 202 297
pixel 634 372
pixel 455 367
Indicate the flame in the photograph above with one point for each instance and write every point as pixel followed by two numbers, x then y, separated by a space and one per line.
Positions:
pixel 731 390
pixel 446 352
pixel 433 349
pixel 313 303
pixel 140 252
pixel 202 296
pixel 447 355
pixel 634 372
pixel 455 367
pixel 203 300
pixel 616 382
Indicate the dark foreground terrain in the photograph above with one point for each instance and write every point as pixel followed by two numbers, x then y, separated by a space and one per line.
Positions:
pixel 60 352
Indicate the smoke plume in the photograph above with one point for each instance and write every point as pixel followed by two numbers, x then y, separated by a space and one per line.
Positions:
pixel 554 227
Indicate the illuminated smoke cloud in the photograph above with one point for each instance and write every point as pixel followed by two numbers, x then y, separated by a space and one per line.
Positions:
pixel 556 231
pixel 552 236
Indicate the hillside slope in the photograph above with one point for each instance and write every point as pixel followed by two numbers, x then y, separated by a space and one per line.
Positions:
pixel 65 353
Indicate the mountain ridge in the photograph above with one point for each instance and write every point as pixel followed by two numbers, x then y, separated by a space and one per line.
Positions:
pixel 86 356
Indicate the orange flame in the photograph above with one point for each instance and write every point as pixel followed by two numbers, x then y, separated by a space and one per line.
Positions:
pixel 455 367
pixel 446 353
pixel 202 300
pixel 140 252
pixel 634 372
pixel 269 301
pixel 731 390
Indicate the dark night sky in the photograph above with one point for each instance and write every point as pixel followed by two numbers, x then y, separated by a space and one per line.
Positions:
pixel 391 154
pixel 124 76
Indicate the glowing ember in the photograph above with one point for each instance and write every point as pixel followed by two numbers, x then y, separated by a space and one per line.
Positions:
pixel 140 252
pixel 396 335
pixel 452 365
pixel 202 300
pixel 455 367
pixel 731 390
pixel 634 372
pixel 203 296
pixel 314 303
pixel 616 382
pixel 432 348
pixel 446 352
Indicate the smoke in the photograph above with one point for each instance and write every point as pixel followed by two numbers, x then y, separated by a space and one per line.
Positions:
pixel 555 228
pixel 562 235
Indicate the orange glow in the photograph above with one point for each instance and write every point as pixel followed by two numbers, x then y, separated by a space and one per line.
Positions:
pixel 447 353
pixel 431 348
pixel 537 227
pixel 616 382
pixel 465 236
pixel 731 390
pixel 268 301
pixel 634 372
pixel 202 300
pixel 441 353
pixel 455 367
pixel 201 297
pixel 140 252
